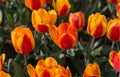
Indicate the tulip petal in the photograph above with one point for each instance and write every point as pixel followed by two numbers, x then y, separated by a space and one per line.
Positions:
pixel 3 74
pixel 31 71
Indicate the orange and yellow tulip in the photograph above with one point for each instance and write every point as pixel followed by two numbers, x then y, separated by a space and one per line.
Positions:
pixel 113 1
pixel 77 19
pixel 48 68
pixel 64 36
pixel 113 30
pixel 114 60
pixel 62 7
pixel 118 10
pixel 22 40
pixel 2 59
pixel 97 24
pixel 42 19
pixel 2 73
pixel 35 4
pixel 92 70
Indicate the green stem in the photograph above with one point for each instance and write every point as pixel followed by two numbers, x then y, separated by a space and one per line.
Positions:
pixel 65 53
pixel 92 42
pixel 112 46
pixel 25 58
pixel 45 44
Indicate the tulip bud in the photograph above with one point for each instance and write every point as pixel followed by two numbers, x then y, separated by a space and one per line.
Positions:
pixel 97 25
pixel 22 40
pixel 114 60
pixel 2 59
pixel 34 4
pixel 4 74
pixel 77 19
pixel 113 30
pixel 62 7
pixel 92 70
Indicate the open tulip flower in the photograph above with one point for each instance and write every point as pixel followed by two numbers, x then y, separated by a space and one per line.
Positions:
pixel 42 19
pixel 48 68
pixel 35 4
pixel 92 70
pixel 113 30
pixel 22 40
pixel 64 36
pixel 97 24
pixel 77 19
pixel 114 60
pixel 62 7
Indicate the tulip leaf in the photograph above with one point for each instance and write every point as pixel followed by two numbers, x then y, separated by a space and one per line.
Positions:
pixel 96 51
pixel 10 21
pixel 18 70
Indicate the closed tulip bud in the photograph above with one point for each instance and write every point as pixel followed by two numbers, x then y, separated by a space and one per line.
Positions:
pixel 34 4
pixel 92 70
pixel 77 19
pixel 42 19
pixel 62 7
pixel 64 36
pixel 114 60
pixel 113 30
pixel 97 24
pixel 118 10
pixel 22 40
pixel 113 1
pixel 48 68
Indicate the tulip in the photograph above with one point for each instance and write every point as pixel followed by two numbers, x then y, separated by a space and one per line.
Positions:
pixel 113 30
pixel 3 74
pixel 22 40
pixel 64 36
pixel 97 24
pixel 62 7
pixel 48 68
pixel 92 70
pixel 118 10
pixel 114 60
pixel 3 0
pixel 2 59
pixel 42 19
pixel 113 1
pixel 77 19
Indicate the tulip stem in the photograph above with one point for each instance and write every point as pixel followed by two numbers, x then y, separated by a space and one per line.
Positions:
pixel 65 53
pixel 92 42
pixel 118 74
pixel 112 46
pixel 45 44
pixel 25 58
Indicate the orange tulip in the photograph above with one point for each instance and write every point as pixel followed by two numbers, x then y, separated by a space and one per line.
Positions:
pixel 92 70
pixel 62 7
pixel 3 74
pixel 114 60
pixel 77 19
pixel 48 68
pixel 118 10
pixel 22 40
pixel 113 30
pixel 35 4
pixel 97 24
pixel 113 1
pixel 2 59
pixel 64 36
pixel 42 19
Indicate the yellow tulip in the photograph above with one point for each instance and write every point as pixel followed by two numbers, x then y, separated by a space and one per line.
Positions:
pixel 97 24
